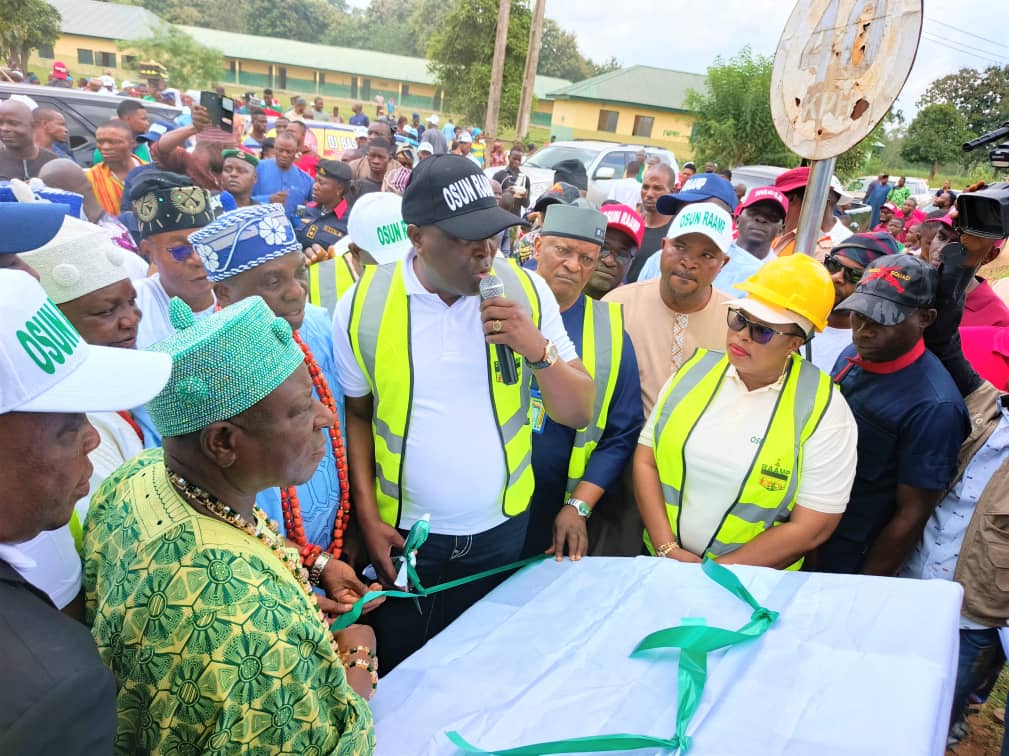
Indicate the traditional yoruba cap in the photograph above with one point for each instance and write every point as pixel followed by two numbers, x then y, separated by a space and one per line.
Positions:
pixel 572 171
pixel 221 365
pixel 244 238
pixel 768 195
pixel 626 220
pixel 893 287
pixel 573 222
pixel 334 169
pixel 560 193
pixel 451 192
pixel 703 218
pixel 35 190
pixel 698 188
pixel 376 225
pixel 46 366
pixel 864 248
pixel 28 225
pixel 80 259
pixel 165 201
pixel 241 155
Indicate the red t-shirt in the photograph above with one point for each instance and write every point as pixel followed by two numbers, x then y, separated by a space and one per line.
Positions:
pixel 309 163
pixel 984 308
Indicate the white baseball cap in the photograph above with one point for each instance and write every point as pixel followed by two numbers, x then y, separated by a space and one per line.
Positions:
pixel 80 259
pixel 361 132
pixel 433 119
pixel 425 147
pixel 376 225
pixel 703 218
pixel 46 366
pixel 466 137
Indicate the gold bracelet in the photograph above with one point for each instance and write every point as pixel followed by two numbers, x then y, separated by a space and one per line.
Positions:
pixel 665 548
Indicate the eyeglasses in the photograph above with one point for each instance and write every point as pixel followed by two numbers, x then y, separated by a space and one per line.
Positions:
pixel 181 253
pixel 833 264
pixel 759 333
pixel 621 256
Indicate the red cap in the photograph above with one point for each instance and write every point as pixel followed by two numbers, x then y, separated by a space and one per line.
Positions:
pixel 792 179
pixel 946 220
pixel 626 219
pixel 60 70
pixel 765 194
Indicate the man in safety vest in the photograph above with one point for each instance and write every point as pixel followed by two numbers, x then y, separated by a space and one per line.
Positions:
pixel 436 425
pixel 575 469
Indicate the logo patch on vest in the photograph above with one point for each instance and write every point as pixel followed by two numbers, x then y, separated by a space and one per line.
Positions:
pixel 774 477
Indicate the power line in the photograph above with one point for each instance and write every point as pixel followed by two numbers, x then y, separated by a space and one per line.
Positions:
pixel 956 47
pixel 997 44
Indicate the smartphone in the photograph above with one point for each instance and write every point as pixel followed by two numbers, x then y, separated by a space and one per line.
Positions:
pixel 221 109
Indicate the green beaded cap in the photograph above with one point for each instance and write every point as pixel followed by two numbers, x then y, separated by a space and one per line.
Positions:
pixel 221 365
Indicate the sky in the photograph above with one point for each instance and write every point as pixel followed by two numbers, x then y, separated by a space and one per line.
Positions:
pixel 673 35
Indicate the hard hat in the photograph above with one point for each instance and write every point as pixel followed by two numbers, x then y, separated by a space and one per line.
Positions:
pixel 796 283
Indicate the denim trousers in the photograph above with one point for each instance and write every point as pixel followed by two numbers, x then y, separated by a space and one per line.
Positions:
pixel 979 651
pixel 400 629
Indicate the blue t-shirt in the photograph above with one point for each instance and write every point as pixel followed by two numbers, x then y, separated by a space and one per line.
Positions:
pixel 320 496
pixel 877 193
pixel 911 423
pixel 270 179
pixel 552 447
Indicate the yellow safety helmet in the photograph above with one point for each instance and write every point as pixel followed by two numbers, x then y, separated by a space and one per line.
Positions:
pixel 797 283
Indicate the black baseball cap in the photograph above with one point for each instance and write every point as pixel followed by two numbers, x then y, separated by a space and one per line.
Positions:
pixel 560 193
pixel 452 193
pixel 893 287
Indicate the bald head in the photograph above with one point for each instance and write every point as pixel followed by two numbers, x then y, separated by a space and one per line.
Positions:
pixel 67 175
pixel 17 129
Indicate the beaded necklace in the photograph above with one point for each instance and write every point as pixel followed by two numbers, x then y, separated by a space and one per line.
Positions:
pixel 289 496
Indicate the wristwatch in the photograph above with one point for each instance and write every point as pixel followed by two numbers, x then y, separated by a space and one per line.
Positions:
pixel 580 507
pixel 550 356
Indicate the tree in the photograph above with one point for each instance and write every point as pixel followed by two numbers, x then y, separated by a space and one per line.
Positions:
pixel 26 25
pixel 461 51
pixel 559 54
pixel 935 136
pixel 734 125
pixel 610 64
pixel 190 65
pixel 982 97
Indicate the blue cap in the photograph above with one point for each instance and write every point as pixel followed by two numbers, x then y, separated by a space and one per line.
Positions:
pixel 73 201
pixel 25 226
pixel 156 130
pixel 698 188
pixel 243 239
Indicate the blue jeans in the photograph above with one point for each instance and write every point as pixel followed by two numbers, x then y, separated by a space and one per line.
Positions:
pixel 979 651
pixel 400 629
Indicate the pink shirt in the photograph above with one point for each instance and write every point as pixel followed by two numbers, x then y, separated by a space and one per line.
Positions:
pixel 984 307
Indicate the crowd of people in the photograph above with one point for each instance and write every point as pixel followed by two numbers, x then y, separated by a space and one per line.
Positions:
pixel 237 373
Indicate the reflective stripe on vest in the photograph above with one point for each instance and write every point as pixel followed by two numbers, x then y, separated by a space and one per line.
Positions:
pixel 324 290
pixel 601 351
pixel 379 328
pixel 768 492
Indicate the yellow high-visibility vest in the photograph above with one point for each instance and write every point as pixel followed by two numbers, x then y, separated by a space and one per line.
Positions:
pixel 325 288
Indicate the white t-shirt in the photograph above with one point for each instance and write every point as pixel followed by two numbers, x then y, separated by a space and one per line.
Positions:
pixel 152 299
pixel 723 444
pixel 626 191
pixel 828 345
pixel 454 468
pixel 49 561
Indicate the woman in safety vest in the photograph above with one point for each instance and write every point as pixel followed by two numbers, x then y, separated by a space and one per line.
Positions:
pixel 749 455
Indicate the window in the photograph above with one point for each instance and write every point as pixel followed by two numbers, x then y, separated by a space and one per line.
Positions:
pixel 322 79
pixel 608 121
pixel 231 67
pixel 616 160
pixel 129 61
pixel 106 59
pixel 46 51
pixel 643 126
pixel 85 56
pixel 406 91
pixel 281 77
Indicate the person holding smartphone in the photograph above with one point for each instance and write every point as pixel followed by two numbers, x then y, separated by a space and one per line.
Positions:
pixel 511 177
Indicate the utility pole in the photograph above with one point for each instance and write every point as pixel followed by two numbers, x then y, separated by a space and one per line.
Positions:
pixel 497 67
pixel 529 77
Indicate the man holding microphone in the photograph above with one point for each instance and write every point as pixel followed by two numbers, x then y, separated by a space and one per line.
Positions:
pixel 440 428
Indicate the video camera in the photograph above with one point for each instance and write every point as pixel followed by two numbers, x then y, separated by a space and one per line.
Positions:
pixel 999 156
pixel 985 213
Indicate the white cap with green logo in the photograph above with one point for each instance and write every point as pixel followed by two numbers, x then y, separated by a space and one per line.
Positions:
pixel 376 226
pixel 45 365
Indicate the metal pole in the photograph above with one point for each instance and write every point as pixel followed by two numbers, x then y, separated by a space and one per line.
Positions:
pixel 813 203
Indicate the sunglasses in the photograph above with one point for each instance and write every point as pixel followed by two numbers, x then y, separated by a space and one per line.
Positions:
pixel 181 253
pixel 759 333
pixel 833 264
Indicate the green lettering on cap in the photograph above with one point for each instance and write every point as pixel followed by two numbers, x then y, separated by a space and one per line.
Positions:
pixel 48 338
pixel 391 233
pixel 35 352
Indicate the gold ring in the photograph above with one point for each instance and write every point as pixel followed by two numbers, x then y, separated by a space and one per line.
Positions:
pixel 496 326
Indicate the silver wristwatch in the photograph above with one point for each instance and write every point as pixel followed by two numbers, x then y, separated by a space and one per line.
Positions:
pixel 580 507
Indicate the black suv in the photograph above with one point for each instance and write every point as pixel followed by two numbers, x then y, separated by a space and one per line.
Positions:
pixel 84 112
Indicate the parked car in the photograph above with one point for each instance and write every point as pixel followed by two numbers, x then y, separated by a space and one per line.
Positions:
pixel 918 186
pixel 604 162
pixel 84 112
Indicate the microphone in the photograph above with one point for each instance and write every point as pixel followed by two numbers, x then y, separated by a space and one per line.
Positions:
pixel 491 287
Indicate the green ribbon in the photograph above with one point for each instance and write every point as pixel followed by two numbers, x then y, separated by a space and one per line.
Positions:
pixel 695 641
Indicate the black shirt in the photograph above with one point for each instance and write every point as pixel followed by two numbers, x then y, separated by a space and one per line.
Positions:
pixel 56 696
pixel 650 242
pixel 12 167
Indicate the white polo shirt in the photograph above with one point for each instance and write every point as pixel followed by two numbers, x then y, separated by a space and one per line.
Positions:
pixel 454 468
pixel 725 441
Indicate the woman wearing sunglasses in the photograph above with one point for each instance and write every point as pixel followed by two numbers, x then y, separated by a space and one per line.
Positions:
pixel 749 455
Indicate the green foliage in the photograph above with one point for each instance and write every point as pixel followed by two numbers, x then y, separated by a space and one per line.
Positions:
pixel 734 125
pixel 982 97
pixel 24 26
pixel 303 20
pixel 935 136
pixel 190 65
pixel 461 52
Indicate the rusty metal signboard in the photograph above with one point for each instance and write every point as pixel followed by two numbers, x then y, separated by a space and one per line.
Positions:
pixel 840 65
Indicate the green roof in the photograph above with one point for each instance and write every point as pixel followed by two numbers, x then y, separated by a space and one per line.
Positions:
pixel 659 88
pixel 91 18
